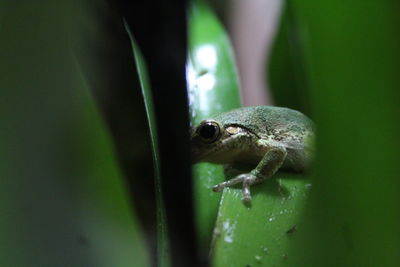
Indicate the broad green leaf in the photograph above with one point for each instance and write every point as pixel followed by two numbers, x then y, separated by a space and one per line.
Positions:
pixel 260 235
pixel 213 88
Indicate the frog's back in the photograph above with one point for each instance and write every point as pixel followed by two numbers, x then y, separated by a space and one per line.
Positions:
pixel 268 120
pixel 276 126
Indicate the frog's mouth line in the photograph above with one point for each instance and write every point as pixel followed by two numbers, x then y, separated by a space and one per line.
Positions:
pixel 213 154
pixel 197 157
pixel 225 144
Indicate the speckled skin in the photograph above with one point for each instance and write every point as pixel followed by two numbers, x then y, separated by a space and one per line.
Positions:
pixel 268 137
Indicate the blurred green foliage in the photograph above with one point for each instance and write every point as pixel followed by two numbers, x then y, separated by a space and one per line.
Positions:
pixel 63 199
pixel 351 52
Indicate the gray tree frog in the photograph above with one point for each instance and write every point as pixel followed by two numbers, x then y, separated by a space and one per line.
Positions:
pixel 268 137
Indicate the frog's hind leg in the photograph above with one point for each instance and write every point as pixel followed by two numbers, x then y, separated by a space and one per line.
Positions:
pixel 219 187
pixel 230 171
pixel 266 168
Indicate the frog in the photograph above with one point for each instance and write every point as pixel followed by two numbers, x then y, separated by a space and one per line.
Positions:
pixel 267 138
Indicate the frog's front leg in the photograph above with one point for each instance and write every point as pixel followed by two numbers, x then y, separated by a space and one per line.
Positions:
pixel 265 169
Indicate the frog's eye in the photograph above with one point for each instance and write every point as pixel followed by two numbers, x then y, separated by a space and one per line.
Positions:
pixel 209 131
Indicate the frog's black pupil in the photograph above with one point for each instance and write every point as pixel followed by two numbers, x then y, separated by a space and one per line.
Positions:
pixel 208 131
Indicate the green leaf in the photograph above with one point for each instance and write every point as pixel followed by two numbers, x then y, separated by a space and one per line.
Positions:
pixel 162 238
pixel 260 235
pixel 213 88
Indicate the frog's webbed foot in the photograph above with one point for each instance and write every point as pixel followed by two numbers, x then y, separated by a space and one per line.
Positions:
pixel 247 179
pixel 267 167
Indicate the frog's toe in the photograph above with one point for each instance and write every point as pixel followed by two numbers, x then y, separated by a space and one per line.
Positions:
pixel 247 182
pixel 246 199
pixel 219 187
